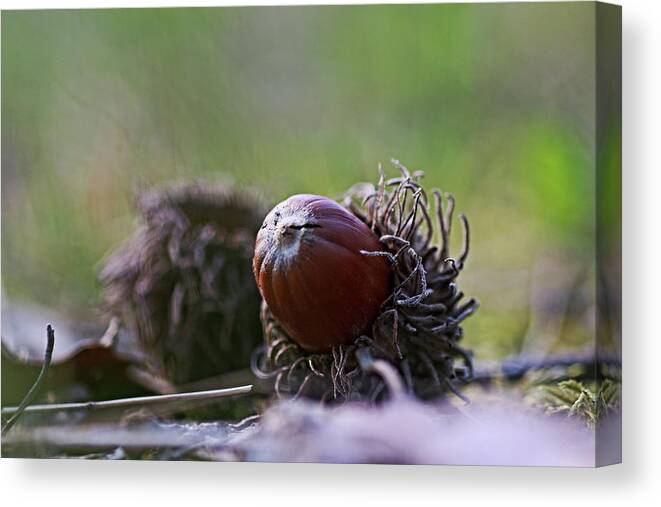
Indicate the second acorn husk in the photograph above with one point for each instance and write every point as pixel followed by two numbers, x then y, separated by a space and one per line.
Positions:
pixel 182 285
pixel 418 330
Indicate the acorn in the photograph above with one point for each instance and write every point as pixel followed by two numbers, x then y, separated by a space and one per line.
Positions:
pixel 346 285
pixel 312 274
pixel 183 285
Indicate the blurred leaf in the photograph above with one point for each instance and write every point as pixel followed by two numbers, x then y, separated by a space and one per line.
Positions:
pixel 578 401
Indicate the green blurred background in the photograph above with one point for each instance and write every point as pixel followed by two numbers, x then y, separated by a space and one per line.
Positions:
pixel 496 103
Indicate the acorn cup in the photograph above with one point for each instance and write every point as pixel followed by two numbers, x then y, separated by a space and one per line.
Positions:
pixel 182 284
pixel 344 283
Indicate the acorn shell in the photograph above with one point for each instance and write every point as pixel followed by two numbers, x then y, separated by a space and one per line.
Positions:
pixel 312 271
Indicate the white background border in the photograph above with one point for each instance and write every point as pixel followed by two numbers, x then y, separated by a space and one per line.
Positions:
pixel 636 482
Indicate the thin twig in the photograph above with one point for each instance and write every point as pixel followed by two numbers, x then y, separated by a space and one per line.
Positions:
pixel 515 368
pixel 139 401
pixel 29 397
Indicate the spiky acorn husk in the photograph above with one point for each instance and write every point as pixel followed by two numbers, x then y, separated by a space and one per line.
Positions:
pixel 183 283
pixel 418 330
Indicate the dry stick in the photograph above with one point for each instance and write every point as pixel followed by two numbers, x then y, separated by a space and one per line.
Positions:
pixel 514 368
pixel 139 401
pixel 29 397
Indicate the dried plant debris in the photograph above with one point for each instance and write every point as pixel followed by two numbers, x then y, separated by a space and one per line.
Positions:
pixel 418 329
pixel 183 284
pixel 590 404
pixel 81 369
pixel 401 430
pixel 406 431
pixel 146 439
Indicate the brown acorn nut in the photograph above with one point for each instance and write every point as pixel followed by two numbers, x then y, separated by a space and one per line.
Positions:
pixel 313 276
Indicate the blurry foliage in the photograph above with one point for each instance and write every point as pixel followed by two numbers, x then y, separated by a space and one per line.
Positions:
pixel 494 102
pixel 572 398
pixel 560 194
